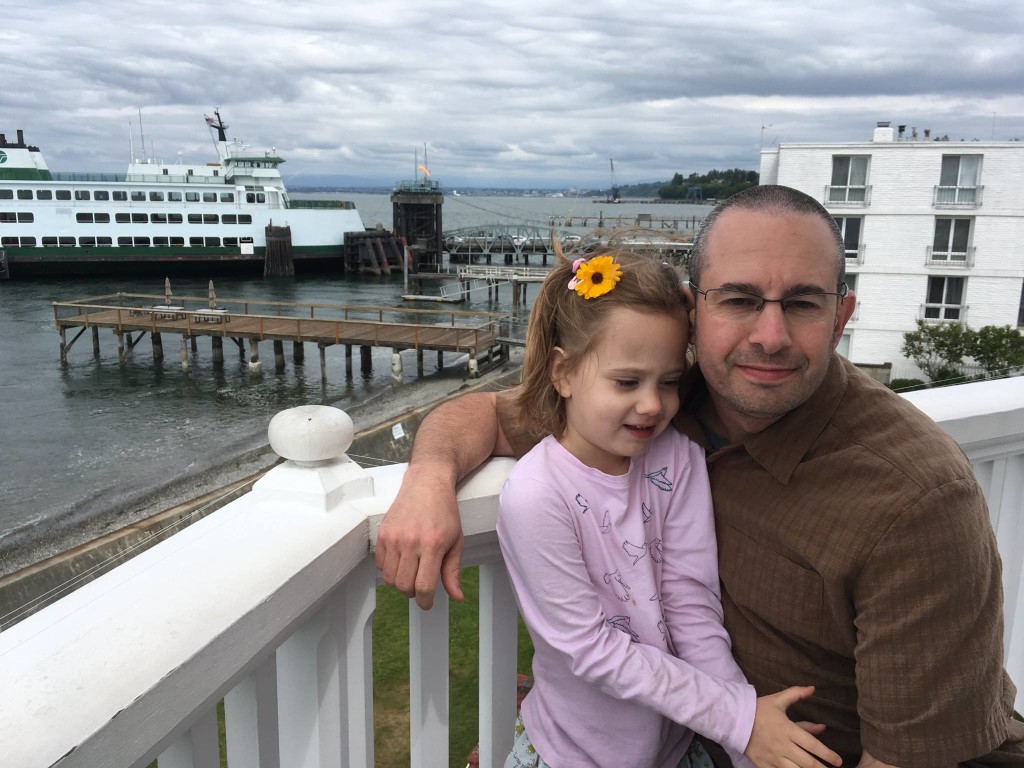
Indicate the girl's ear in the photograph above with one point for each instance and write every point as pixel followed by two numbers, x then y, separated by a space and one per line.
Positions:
pixel 558 365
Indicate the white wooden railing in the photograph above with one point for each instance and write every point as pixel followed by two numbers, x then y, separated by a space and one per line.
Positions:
pixel 268 604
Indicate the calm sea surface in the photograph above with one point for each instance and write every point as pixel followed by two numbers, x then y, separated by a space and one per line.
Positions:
pixel 76 436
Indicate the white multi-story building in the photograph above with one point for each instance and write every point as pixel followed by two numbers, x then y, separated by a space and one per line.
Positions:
pixel 934 229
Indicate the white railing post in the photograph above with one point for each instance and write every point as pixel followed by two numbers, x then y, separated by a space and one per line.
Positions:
pixel 498 654
pixel 428 683
pixel 196 748
pixel 250 719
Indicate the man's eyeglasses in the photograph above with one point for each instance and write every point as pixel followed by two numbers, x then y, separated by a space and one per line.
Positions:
pixel 801 307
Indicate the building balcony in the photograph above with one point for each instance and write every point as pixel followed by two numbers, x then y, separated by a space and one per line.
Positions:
pixel 957 197
pixel 948 258
pixel 268 604
pixel 851 196
pixel 943 313
pixel 855 255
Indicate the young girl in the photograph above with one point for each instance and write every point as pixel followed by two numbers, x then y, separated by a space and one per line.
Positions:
pixel 607 531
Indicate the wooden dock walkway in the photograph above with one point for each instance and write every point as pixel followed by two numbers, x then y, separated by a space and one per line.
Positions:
pixel 133 316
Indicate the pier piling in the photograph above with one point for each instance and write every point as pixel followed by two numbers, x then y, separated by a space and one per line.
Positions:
pixel 323 360
pixel 218 350
pixel 366 359
pixel 396 367
pixel 63 346
pixel 158 347
pixel 278 355
pixel 348 361
pixel 120 347
pixel 184 353
pixel 298 352
pixel 95 341
pixel 255 366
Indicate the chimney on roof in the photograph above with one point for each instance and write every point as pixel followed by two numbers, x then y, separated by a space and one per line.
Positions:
pixel 900 130
pixel 883 131
pixel 21 137
pixel 927 133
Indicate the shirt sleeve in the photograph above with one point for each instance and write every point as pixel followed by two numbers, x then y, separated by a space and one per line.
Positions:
pixel 929 634
pixel 691 592
pixel 560 606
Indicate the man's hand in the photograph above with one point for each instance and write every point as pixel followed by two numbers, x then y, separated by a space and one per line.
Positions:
pixel 777 742
pixel 421 536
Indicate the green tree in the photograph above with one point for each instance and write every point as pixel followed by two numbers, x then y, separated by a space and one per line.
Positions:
pixel 998 349
pixel 938 349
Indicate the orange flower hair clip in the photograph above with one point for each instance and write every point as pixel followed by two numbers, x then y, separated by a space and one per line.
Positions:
pixel 594 277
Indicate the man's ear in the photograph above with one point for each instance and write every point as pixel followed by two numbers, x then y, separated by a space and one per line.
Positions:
pixel 558 365
pixel 843 315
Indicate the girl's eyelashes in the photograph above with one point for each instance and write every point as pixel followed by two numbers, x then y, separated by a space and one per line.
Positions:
pixel 625 383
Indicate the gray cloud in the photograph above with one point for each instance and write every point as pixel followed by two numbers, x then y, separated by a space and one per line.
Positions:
pixel 532 93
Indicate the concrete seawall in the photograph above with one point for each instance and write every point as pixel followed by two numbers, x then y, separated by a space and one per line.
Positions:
pixel 56 565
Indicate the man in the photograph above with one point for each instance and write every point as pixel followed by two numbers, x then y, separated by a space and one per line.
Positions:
pixel 855 549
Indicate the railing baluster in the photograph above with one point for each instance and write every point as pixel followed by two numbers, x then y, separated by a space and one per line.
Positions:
pixel 498 645
pixel 250 719
pixel 196 748
pixel 428 684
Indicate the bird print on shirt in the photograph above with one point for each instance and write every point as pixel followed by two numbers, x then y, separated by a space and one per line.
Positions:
pixel 634 551
pixel 582 503
pixel 621 623
pixel 619 587
pixel 660 479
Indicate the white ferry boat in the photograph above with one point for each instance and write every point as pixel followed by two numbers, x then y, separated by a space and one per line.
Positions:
pixel 161 217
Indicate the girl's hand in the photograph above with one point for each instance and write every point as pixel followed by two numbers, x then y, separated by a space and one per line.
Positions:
pixel 777 742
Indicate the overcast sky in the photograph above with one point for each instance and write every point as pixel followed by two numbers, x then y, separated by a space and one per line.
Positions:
pixel 511 94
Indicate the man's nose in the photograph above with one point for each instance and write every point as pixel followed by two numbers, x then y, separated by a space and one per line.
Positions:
pixel 770 330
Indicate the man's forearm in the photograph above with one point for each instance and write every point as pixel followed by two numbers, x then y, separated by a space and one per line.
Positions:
pixel 458 436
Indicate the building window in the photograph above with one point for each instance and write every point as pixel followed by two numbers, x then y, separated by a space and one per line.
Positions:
pixel 850 227
pixel 952 241
pixel 849 179
pixel 958 180
pixel 945 299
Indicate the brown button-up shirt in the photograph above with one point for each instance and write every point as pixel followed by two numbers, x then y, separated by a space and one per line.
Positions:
pixel 856 555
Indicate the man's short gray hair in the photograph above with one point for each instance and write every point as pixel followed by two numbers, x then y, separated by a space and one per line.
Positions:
pixel 771 199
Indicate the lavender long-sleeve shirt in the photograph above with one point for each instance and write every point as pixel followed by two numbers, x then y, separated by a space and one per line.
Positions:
pixel 617 580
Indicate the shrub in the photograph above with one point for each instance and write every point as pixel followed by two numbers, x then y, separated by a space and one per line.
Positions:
pixel 907 385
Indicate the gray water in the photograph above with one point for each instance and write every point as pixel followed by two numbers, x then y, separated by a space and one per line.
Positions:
pixel 80 437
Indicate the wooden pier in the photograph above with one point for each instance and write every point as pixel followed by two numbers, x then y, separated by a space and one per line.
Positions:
pixel 133 316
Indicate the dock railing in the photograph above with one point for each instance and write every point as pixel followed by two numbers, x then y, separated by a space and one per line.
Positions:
pixel 268 604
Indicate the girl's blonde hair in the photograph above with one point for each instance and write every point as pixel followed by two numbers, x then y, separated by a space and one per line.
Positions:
pixel 562 318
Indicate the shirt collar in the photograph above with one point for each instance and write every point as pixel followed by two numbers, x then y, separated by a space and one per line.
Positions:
pixel 780 448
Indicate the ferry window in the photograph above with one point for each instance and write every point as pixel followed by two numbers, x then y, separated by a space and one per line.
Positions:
pixel 161 241
pixel 158 218
pixel 26 218
pixel 156 197
pixel 229 218
pixel 66 242
pixel 82 194
pixel 49 242
pixel 210 218
pixel 209 197
pixel 250 197
pixel 138 195
pixel 8 241
pixel 192 197
pixel 122 218
pixel 174 218
pixel 43 194
pixel 178 241
pixel 100 194
pixel 10 216
pixel 195 218
pixel 87 242
pixel 124 241
pixel 83 218
pixel 101 218
pixel 142 241
pixel 24 194
pixel 227 197
pixel 244 218
pixel 28 242
pixel 214 241
pixel 260 197
pixel 63 194
pixel 174 197
pixel 140 218
pixel 120 194
pixel 216 173
pixel 166 172
pixel 6 194
pixel 231 242
pixel 195 241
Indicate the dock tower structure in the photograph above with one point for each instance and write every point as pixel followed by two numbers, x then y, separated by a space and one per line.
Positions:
pixel 417 221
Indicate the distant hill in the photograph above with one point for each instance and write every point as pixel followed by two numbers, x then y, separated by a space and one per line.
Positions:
pixel 714 184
